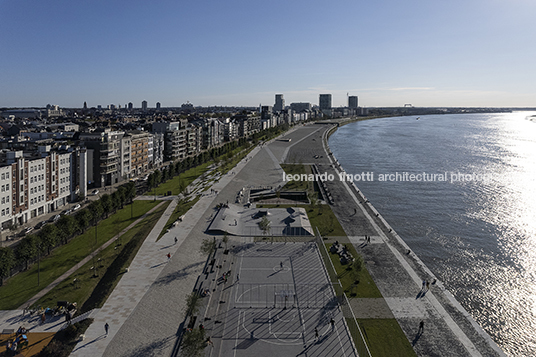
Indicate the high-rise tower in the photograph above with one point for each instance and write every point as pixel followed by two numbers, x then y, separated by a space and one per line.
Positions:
pixel 352 101
pixel 279 103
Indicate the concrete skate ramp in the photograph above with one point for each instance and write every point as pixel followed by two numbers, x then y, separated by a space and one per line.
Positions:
pixel 240 221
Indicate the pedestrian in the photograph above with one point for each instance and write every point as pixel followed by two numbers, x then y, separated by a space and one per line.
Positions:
pixel 176 240
pixel 423 284
pixel 209 341
pixel 316 333
pixel 43 318
pixel 332 322
pixel 106 328
pixel 168 256
pixel 427 285
pixel 421 327
pixel 281 265
pixel 237 278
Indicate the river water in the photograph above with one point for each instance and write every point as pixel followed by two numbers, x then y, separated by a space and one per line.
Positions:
pixel 468 211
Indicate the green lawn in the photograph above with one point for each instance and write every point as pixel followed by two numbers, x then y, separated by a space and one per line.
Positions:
pixel 111 264
pixel 185 178
pixel 182 208
pixel 366 288
pixel 237 155
pixel 17 290
pixel 384 337
pixel 291 169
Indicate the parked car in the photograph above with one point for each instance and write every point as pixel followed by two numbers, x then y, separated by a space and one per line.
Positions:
pixel 54 218
pixel 95 192
pixel 76 207
pixel 67 211
pixel 40 224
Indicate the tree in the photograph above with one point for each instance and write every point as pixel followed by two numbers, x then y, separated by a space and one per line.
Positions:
pixel 264 225
pixel 193 343
pixel 357 266
pixel 67 226
pixel 106 202
pixel 27 249
pixel 208 246
pixel 225 239
pixel 96 210
pixel 130 192
pixel 120 195
pixel 49 237
pixel 83 217
pixel 193 304
pixel 7 259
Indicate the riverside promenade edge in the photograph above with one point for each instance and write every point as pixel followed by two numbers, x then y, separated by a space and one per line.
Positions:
pixel 145 312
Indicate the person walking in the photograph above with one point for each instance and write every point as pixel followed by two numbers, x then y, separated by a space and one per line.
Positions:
pixel 106 328
pixel 332 322
pixel 176 240
pixel 421 328
pixel 168 256
pixel 316 333
pixel 237 278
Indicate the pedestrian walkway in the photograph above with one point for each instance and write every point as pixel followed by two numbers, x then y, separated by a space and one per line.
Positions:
pixel 68 273
pixel 144 271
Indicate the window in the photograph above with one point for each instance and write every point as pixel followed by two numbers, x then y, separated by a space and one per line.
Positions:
pixel 7 210
pixel 3 176
pixel 7 187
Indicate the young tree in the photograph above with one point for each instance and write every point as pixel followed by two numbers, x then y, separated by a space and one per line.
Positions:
pixel 264 225
pixel 208 246
pixel 7 259
pixel 357 266
pixel 193 304
pixel 193 343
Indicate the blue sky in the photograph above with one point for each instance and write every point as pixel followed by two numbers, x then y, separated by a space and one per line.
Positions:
pixel 243 52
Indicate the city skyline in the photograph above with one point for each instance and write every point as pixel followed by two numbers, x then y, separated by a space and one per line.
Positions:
pixel 424 53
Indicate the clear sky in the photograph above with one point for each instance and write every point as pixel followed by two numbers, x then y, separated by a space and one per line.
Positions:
pixel 243 52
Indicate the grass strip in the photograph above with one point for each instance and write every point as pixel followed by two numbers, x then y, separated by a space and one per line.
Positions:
pixel 19 289
pixel 365 288
pixel 384 337
pixel 182 208
pixel 96 279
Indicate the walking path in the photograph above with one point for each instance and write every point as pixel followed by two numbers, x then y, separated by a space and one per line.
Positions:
pixel 398 272
pixel 147 269
pixel 68 273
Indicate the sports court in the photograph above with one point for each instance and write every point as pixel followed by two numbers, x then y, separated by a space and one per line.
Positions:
pixel 281 303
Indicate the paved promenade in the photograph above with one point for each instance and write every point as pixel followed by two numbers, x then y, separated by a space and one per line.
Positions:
pixel 145 311
pixel 398 273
